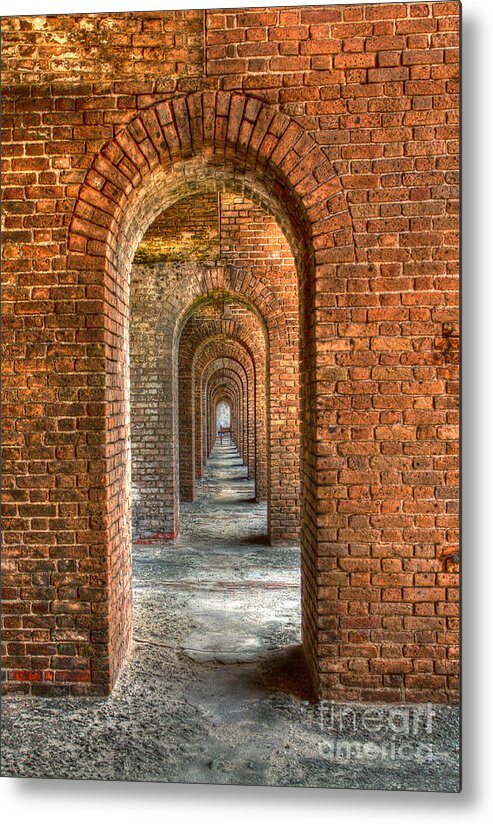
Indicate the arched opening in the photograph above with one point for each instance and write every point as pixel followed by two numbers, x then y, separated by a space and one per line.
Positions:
pixel 223 415
pixel 209 320
pixel 219 325
pixel 208 143
pixel 242 407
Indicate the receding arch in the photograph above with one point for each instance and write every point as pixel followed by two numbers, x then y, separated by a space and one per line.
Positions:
pixel 226 366
pixel 195 287
pixel 198 334
pixel 185 144
pixel 230 356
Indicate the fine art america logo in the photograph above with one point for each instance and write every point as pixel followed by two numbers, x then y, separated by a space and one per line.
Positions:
pixel 374 734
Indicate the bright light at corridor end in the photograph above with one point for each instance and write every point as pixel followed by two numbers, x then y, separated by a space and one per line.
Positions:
pixel 223 415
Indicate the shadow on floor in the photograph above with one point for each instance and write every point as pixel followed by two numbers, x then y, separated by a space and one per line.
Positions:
pixel 285 672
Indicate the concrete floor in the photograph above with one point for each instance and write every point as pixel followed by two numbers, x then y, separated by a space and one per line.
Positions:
pixel 214 689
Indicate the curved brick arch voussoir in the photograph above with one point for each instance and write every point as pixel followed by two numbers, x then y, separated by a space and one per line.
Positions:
pixel 217 125
pixel 236 284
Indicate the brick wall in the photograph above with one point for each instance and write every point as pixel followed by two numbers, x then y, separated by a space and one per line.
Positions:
pixel 357 160
pixel 188 230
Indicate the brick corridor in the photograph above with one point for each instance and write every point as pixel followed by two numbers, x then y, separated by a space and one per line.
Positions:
pixel 252 205
pixel 241 597
pixel 224 509
pixel 214 689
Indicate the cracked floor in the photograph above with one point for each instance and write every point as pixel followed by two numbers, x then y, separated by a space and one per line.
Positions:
pixel 213 689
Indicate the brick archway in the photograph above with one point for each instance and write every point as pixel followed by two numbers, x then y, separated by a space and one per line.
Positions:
pixel 272 382
pixel 223 394
pixel 188 144
pixel 281 348
pixel 219 379
pixel 197 338
pixel 225 386
pixel 156 323
pixel 231 357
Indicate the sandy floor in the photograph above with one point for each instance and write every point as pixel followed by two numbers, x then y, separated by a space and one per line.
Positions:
pixel 214 689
